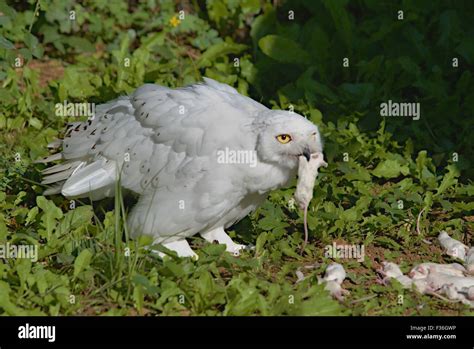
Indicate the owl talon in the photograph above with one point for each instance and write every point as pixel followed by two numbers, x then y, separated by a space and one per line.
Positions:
pixel 181 247
pixel 221 237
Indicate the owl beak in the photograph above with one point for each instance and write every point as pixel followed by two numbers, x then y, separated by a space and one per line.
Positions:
pixel 307 153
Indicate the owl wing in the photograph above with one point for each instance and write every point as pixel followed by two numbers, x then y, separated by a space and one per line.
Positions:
pixel 156 138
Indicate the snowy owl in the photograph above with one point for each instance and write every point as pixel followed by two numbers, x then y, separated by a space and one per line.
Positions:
pixel 200 158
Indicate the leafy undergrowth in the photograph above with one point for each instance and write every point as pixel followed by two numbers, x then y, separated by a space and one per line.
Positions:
pixel 390 197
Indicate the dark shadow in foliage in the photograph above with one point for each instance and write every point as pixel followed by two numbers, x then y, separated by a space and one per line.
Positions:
pixel 409 60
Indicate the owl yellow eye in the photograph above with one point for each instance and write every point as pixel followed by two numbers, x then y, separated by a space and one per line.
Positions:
pixel 283 139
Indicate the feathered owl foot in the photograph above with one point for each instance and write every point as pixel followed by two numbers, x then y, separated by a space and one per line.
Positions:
pixel 181 247
pixel 221 237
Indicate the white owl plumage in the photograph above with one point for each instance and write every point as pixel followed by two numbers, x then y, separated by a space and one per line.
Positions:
pixel 164 145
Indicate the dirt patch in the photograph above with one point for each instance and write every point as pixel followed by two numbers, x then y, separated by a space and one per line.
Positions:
pixel 49 70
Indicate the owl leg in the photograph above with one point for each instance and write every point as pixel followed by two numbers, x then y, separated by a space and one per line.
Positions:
pixel 221 237
pixel 181 247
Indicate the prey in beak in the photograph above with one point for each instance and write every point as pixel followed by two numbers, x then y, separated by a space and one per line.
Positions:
pixel 307 154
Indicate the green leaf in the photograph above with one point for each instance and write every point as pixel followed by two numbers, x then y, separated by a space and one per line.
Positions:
pixel 350 214
pixel 217 10
pixel 31 215
pixel 316 116
pixel 76 218
pixel 390 169
pixel 341 19
pixel 5 301
pixel 283 50
pixel 82 262
pixel 263 25
pixel 205 284
pixel 449 179
pixel 318 302
pixel 6 97
pixel 138 297
pixel 388 242
pixel 269 223
pixel 155 39
pixel 70 88
pixel 36 123
pixel 313 88
pixel 41 282
pixel 51 213
pixel 261 240
pixel 250 6
pixel 287 250
pixel 31 41
pixel 80 44
pixel 219 50
pixel 141 280
pixel 23 269
pixel 423 166
pixel 5 43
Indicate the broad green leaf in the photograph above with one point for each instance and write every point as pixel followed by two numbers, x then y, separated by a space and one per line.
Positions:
pixel 219 50
pixel 341 19
pixel 51 213
pixel 449 179
pixel 261 240
pixel 423 166
pixel 80 216
pixel 283 50
pixel 5 43
pixel 82 261
pixel 81 44
pixel 390 169
pixel 217 10
pixel 138 297
pixel 31 215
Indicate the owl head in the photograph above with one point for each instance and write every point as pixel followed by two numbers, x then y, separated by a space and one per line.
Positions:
pixel 284 136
